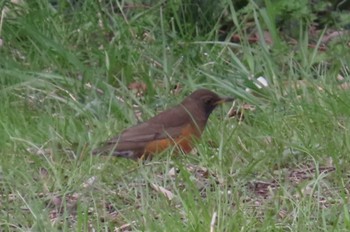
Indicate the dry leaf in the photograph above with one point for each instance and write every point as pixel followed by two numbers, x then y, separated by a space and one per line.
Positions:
pixel 139 88
pixel 89 182
pixel 344 86
pixel 282 214
pixel 165 192
pixel 340 77
pixel 39 151
pixel 238 112
pixel 261 82
pixel 43 172
pixel 125 227
pixel 263 188
pixel 172 172
pixel 329 37
pixel 177 89
pixel 254 38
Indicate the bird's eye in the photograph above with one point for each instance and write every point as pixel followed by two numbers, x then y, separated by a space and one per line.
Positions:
pixel 208 101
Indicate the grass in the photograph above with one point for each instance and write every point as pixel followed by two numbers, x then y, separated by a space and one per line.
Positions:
pixel 65 72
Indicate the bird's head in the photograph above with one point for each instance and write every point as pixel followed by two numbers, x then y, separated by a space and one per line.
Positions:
pixel 207 100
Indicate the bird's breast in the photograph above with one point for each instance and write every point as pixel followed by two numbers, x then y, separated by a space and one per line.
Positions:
pixel 184 141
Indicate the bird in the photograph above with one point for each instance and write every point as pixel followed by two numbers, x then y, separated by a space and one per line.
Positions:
pixel 179 127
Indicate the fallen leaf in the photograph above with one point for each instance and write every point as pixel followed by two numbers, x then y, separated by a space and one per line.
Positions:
pixel 125 227
pixel 329 37
pixel 89 182
pixel 282 214
pixel 162 190
pixel 261 82
pixel 177 89
pixel 254 38
pixel 172 172
pixel 263 188
pixel 139 88
pixel 43 172
pixel 344 86
pixel 340 77
pixel 238 112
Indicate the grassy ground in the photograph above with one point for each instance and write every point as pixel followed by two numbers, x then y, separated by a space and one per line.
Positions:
pixel 64 76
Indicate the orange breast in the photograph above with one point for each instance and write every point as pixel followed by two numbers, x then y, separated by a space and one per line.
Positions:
pixel 184 141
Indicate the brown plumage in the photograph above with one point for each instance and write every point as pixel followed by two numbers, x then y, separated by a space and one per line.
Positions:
pixel 177 126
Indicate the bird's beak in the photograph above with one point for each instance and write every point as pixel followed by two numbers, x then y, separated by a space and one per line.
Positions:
pixel 224 99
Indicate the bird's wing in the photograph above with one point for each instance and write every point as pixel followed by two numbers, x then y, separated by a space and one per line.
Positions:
pixel 147 132
pixel 158 127
pixel 132 141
